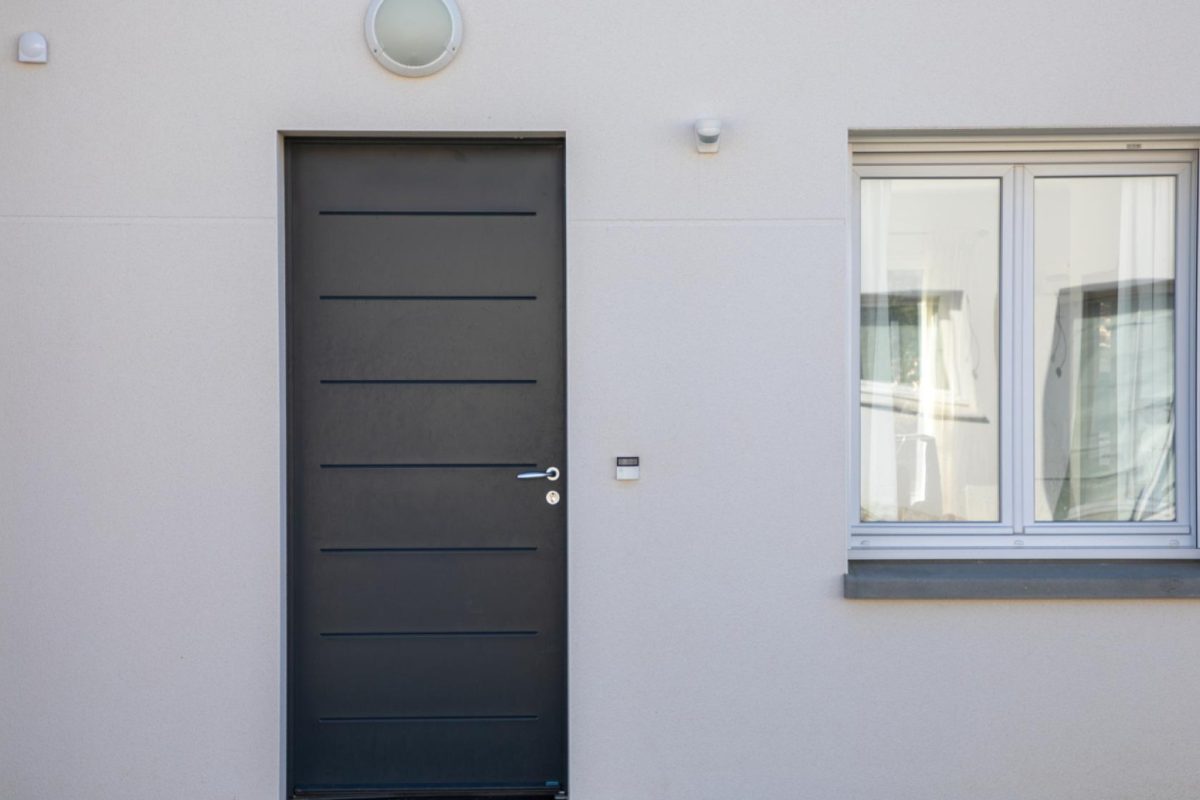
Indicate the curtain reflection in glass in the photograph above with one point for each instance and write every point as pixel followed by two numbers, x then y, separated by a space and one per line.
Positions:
pixel 1104 333
pixel 929 377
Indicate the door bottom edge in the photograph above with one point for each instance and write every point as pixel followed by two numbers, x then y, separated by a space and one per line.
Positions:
pixel 432 793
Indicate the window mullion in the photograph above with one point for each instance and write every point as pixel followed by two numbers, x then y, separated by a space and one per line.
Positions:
pixel 1025 335
pixel 1019 396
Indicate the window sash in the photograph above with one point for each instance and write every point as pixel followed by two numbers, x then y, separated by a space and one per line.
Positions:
pixel 1017 531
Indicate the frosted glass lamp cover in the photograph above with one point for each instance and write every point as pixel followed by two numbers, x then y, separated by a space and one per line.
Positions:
pixel 413 37
pixel 31 48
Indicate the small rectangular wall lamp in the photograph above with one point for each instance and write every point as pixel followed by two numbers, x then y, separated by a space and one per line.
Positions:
pixel 32 48
pixel 708 135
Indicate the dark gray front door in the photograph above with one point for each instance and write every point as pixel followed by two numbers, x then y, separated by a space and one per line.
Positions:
pixel 427 624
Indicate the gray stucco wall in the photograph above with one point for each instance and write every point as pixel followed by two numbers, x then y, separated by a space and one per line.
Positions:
pixel 713 654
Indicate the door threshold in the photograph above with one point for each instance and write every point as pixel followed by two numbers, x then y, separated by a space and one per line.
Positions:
pixel 428 793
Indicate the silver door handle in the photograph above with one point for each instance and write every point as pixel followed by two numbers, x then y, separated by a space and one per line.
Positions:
pixel 551 474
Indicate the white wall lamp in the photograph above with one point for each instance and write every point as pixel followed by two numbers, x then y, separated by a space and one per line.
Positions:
pixel 32 48
pixel 708 135
pixel 414 37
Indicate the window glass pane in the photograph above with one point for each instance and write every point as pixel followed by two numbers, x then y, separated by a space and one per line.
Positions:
pixel 1104 348
pixel 929 378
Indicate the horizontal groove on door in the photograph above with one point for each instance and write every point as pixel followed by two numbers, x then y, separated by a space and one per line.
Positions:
pixel 423 634
pixel 426 381
pixel 426 466
pixel 426 213
pixel 430 297
pixel 428 549
pixel 491 718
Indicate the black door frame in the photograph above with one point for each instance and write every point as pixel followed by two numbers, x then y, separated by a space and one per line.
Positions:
pixel 284 139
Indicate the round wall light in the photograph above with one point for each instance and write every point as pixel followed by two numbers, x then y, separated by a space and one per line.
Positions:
pixel 414 37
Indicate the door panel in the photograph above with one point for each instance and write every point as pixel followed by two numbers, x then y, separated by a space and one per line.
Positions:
pixel 429 423
pixel 399 592
pixel 427 626
pixel 424 508
pixel 497 677
pixel 446 339
pixel 440 255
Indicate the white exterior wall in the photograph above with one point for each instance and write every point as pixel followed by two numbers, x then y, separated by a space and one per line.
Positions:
pixel 712 655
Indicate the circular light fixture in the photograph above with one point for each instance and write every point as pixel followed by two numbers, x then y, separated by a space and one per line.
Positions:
pixel 413 37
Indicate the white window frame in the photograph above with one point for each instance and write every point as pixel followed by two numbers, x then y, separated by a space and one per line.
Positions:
pixel 1016 162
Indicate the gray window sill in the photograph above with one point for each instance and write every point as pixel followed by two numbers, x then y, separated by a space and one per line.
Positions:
pixel 977 580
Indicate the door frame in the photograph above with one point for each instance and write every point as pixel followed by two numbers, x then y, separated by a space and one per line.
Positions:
pixel 284 320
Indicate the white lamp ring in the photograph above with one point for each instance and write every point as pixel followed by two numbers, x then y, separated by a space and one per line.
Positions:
pixel 414 37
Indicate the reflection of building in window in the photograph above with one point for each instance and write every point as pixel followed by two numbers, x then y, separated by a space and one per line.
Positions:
pixel 919 374
pixel 1109 405
pixel 918 348
pixel 903 318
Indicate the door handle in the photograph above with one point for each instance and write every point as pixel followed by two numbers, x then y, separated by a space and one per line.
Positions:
pixel 551 474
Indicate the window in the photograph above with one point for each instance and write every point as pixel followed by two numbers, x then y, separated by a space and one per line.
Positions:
pixel 1024 373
